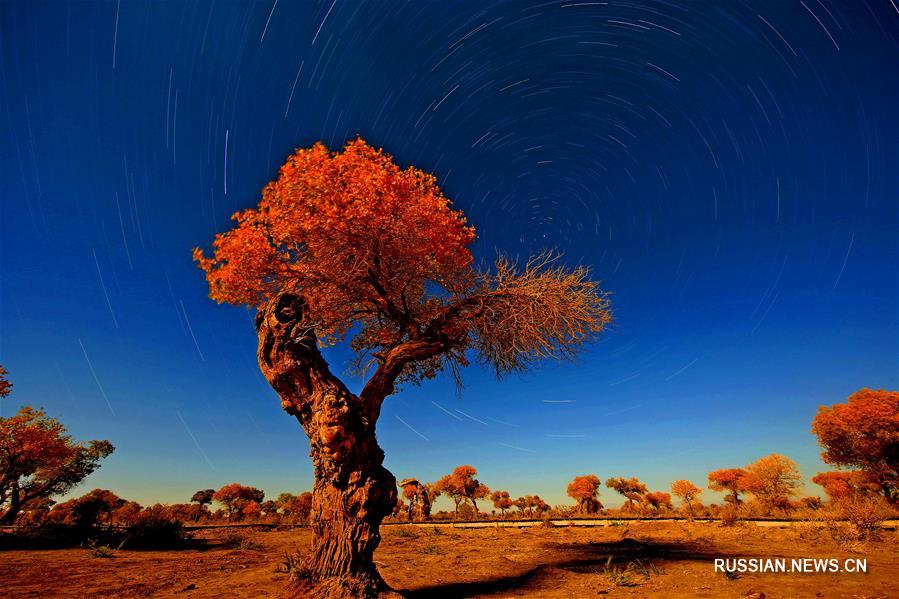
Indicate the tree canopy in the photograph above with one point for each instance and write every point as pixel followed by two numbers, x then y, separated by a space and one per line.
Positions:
pixel 863 433
pixel 733 481
pixel 378 250
pixel 239 499
pixel 630 488
pixel 38 459
pixel 461 485
pixel 686 490
pixel 5 385
pixel 584 490
pixel 843 485
pixel 203 496
pixel 773 479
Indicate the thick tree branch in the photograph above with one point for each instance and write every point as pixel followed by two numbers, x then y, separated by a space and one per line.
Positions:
pixel 383 382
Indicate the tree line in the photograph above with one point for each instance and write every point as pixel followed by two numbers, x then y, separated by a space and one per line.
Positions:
pixel 39 460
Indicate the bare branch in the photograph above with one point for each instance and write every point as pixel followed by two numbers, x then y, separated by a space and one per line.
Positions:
pixel 542 311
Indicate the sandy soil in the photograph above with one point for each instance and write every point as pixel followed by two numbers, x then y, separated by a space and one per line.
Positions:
pixel 677 561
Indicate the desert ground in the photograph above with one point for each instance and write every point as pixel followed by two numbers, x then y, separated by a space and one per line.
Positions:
pixel 656 559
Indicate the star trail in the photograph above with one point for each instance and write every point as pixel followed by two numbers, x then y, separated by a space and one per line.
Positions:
pixel 729 171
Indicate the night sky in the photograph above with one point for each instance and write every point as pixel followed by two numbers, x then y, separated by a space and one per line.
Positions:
pixel 730 170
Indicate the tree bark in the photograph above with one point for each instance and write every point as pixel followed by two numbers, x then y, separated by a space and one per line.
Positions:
pixel 15 506
pixel 353 492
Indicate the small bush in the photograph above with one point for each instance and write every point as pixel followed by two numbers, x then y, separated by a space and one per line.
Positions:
pixel 153 531
pixel 617 575
pixel 102 551
pixel 291 564
pixel 864 516
pixel 407 532
pixel 729 515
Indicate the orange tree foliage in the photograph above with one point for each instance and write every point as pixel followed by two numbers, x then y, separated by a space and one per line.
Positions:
pixel 584 490
pixel 732 481
pixel 379 251
pixel 531 504
pixel 461 486
pixel 92 509
pixel 5 385
pixel 128 513
pixel 297 507
pixel 773 479
pixel 38 460
pixel 630 488
pixel 843 485
pixel 203 496
pixel 501 501
pixel 863 433
pixel 235 497
pixel 686 491
pixel 658 500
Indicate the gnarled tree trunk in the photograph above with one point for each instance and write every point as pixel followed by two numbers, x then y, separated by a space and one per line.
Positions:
pixel 15 505
pixel 353 491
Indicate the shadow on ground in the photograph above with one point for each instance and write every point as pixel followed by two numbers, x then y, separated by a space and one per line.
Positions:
pixel 582 558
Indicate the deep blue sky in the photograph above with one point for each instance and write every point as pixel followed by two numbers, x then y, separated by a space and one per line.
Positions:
pixel 729 171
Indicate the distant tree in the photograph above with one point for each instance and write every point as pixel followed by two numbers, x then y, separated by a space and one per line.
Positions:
pixel 841 485
pixel 538 505
pixel 584 490
pixel 811 503
pixel 630 488
pixel 863 433
pixel 410 493
pixel 180 512
pixel 774 480
pixel 658 500
pixel 687 492
pixel 461 485
pixel 235 497
pixel 348 243
pixel 203 497
pixel 91 510
pixel 501 501
pixel 39 460
pixel 284 500
pixel 302 507
pixel 5 385
pixel 250 510
pixel 733 481
pixel 521 503
pixel 36 513
pixel 531 504
pixel 398 508
pixel 419 498
pixel 268 507
pixel 296 506
pixel 127 513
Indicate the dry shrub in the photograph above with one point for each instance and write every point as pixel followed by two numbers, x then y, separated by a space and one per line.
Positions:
pixel 407 532
pixel 292 563
pixel 101 551
pixel 864 516
pixel 848 523
pixel 729 515
pixel 813 525
pixel 153 530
